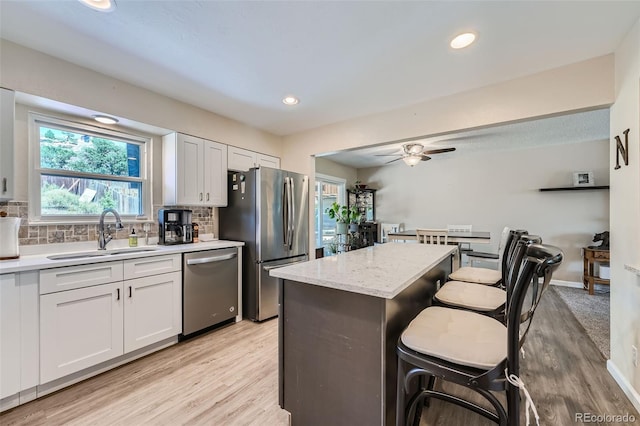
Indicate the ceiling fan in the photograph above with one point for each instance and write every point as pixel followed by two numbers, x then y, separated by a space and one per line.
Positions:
pixel 413 153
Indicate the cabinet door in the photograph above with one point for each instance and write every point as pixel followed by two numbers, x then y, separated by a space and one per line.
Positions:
pixel 241 159
pixel 190 170
pixel 9 335
pixel 153 309
pixel 7 120
pixel 215 174
pixel 79 328
pixel 268 161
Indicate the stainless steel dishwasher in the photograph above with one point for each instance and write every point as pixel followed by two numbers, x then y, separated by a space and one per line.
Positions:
pixel 209 288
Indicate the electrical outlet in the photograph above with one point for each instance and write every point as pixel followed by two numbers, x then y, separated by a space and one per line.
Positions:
pixel 634 355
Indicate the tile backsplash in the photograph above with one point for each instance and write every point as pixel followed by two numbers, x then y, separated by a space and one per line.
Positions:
pixel 205 217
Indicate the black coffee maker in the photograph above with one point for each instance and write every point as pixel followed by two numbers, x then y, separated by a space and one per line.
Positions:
pixel 175 226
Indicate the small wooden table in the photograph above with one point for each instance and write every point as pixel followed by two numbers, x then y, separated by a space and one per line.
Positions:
pixel 592 256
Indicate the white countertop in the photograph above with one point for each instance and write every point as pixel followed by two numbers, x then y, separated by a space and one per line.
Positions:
pixel 39 261
pixel 382 271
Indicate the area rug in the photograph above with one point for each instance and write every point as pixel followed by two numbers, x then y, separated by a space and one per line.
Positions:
pixel 592 312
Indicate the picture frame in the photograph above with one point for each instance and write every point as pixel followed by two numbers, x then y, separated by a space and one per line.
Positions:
pixel 583 179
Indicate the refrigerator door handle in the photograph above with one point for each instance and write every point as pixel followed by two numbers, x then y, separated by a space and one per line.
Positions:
pixel 285 212
pixel 292 213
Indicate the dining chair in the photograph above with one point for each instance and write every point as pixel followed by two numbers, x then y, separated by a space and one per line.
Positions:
pixel 473 350
pixel 462 247
pixel 475 256
pixel 432 236
pixel 487 300
pixel 488 276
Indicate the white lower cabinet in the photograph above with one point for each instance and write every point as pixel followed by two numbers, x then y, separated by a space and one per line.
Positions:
pixel 18 336
pixel 153 310
pixel 83 327
pixel 80 328
pixel 9 336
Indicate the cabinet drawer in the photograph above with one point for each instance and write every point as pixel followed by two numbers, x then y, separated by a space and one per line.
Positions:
pixel 68 278
pixel 144 267
pixel 601 255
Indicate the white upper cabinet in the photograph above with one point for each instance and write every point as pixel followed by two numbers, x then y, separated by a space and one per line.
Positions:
pixel 194 171
pixel 242 159
pixel 267 161
pixel 7 117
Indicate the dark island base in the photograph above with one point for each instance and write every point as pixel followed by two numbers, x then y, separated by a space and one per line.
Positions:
pixel 337 359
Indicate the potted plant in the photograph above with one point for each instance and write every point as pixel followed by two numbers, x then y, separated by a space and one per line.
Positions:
pixel 341 215
pixel 354 219
pixel 359 185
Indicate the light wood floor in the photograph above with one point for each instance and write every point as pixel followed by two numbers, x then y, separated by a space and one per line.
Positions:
pixel 229 377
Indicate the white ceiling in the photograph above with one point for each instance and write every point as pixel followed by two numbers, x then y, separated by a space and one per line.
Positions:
pixel 343 59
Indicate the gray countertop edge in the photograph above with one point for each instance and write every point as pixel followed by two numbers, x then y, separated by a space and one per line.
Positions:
pixel 40 261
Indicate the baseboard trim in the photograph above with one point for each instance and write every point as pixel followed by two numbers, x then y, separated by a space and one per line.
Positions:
pixel 624 384
pixel 572 284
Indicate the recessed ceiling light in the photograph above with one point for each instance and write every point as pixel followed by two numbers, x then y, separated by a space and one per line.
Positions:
pixel 105 119
pixel 462 40
pixel 100 5
pixel 290 100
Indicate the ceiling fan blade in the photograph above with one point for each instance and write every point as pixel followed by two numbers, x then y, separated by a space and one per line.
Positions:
pixel 393 160
pixel 425 158
pixel 438 151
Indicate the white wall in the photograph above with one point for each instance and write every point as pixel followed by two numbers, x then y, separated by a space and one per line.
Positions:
pixel 497 188
pixel 331 168
pixel 584 85
pixel 625 218
pixel 26 70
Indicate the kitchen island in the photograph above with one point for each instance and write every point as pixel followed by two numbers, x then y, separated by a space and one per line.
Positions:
pixel 340 319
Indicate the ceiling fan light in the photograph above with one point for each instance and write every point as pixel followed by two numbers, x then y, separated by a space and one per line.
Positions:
pixel 411 160
pixel 414 148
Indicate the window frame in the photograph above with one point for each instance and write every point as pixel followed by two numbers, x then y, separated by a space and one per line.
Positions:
pixel 342 198
pixel 36 120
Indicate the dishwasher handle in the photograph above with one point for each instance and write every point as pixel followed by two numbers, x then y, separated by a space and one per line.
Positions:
pixel 211 259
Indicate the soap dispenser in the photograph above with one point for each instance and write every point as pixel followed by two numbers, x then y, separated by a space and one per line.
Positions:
pixel 133 238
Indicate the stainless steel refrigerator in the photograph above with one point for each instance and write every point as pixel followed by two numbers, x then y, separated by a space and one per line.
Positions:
pixel 268 209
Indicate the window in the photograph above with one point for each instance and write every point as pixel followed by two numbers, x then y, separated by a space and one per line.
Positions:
pixel 329 189
pixel 81 170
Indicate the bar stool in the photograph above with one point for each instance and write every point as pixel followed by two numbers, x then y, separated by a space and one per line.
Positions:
pixel 483 299
pixel 473 350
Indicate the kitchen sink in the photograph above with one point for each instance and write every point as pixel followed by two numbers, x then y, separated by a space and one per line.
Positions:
pixel 99 253
pixel 132 250
pixel 78 255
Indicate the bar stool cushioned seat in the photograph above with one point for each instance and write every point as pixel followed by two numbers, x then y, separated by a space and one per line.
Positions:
pixel 472 274
pixel 446 334
pixel 475 297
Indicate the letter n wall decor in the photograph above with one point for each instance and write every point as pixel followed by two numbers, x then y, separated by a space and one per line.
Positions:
pixel 622 150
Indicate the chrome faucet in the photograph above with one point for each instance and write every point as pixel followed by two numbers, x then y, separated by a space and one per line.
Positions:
pixel 104 236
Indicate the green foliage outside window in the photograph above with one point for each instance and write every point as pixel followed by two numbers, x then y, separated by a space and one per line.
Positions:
pixel 75 194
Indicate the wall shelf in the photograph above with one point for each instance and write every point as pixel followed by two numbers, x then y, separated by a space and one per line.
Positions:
pixel 574 188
